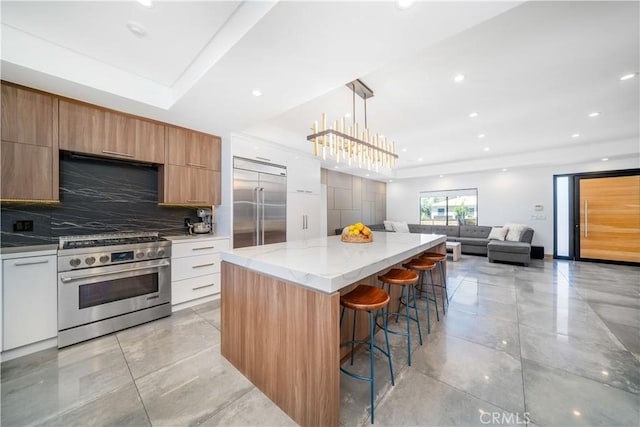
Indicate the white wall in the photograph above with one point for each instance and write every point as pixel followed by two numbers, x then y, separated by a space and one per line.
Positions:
pixel 502 196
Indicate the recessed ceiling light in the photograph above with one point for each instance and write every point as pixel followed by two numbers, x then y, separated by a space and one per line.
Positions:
pixel 575 135
pixel 441 176
pixel 404 150
pixel 628 76
pixel 390 180
pixel 594 114
pixel 367 175
pixel 405 4
pixel 504 169
pixel 419 159
pixel 256 92
pixel 335 167
pixel 137 29
pixel 458 78
pixel 604 159
pixel 347 115
pixel 145 3
pixel 474 114
pixel 486 148
pixel 482 135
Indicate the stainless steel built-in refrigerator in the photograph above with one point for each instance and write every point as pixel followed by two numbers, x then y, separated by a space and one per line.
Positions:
pixel 259 203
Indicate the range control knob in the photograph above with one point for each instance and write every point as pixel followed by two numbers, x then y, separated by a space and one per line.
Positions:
pixel 104 258
pixel 75 262
pixel 140 255
pixel 160 252
pixel 90 260
pixel 151 254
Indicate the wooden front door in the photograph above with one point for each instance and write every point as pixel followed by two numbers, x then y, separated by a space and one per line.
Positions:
pixel 610 218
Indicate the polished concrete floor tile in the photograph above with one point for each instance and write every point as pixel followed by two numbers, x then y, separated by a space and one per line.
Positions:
pixel 419 400
pixel 471 288
pixel 154 345
pixel 251 409
pixel 120 407
pixel 72 379
pixel 491 375
pixel 618 314
pixel 604 363
pixel 558 398
pixel 629 336
pixel 485 307
pixel 192 390
pixel 209 311
pixel 490 331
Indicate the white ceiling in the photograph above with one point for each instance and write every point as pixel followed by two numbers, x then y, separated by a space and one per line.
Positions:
pixel 533 71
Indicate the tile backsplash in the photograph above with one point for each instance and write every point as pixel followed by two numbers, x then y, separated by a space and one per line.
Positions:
pixel 96 196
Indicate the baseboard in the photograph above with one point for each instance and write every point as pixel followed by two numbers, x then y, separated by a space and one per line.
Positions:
pixel 28 349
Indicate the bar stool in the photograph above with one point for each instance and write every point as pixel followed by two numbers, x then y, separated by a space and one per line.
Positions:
pixel 439 259
pixel 367 298
pixel 407 279
pixel 422 266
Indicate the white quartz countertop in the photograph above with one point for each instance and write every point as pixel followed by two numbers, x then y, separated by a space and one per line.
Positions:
pixel 327 264
pixel 28 251
pixel 188 238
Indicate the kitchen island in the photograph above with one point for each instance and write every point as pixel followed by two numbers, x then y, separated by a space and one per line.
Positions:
pixel 280 313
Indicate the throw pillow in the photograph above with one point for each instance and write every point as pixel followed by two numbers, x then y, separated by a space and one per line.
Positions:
pixel 498 233
pixel 400 227
pixel 388 225
pixel 515 231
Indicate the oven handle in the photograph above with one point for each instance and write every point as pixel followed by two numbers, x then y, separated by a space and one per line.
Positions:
pixel 85 276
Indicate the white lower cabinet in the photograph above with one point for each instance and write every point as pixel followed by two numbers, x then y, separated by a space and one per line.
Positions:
pixel 303 216
pixel 29 300
pixel 195 269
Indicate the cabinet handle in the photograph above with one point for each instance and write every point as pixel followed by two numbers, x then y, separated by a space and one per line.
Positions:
pixel 20 264
pixel 115 153
pixel 203 248
pixel 300 191
pixel 263 158
pixel 196 165
pixel 204 265
pixel 308 191
pixel 153 297
pixel 202 287
pixel 196 201
pixel 586 218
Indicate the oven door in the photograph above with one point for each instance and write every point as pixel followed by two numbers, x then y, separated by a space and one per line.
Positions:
pixel 93 294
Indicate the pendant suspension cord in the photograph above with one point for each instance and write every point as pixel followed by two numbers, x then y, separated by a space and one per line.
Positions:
pixel 365 112
pixel 353 107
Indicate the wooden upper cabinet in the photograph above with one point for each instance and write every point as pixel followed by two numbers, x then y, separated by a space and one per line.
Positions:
pixel 82 128
pixel 27 117
pixel 186 185
pixel 29 172
pixel 150 144
pixel 120 136
pixel 193 149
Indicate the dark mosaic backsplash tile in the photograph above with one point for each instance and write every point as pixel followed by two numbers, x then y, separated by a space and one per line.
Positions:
pixel 96 196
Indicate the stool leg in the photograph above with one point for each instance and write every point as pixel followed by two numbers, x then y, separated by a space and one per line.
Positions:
pixel 353 334
pixel 386 338
pixel 428 310
pixel 405 290
pixel 415 309
pixel 371 337
pixel 435 298
pixel 443 283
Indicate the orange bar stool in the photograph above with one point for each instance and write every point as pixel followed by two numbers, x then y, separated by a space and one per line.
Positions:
pixel 439 259
pixel 407 279
pixel 422 266
pixel 367 298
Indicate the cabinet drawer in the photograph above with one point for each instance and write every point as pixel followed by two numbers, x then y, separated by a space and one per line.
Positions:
pixel 200 247
pixel 196 287
pixel 193 266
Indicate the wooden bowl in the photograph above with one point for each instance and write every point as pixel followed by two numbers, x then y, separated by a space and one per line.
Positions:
pixel 360 238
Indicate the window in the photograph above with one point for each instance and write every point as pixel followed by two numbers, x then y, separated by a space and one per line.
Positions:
pixel 449 207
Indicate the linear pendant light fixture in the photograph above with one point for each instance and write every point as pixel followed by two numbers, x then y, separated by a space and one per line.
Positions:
pixel 360 148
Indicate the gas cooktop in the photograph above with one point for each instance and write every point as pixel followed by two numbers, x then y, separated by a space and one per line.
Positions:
pixel 108 239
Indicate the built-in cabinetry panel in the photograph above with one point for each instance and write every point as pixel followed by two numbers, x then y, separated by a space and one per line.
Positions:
pixel 29 145
pixel 29 295
pixel 193 149
pixel 195 269
pixel 81 128
pixel 184 185
pixel 303 216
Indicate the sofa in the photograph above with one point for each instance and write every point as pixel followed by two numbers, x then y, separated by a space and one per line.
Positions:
pixel 475 240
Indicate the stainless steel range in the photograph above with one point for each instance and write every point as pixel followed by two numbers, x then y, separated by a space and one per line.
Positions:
pixel 109 282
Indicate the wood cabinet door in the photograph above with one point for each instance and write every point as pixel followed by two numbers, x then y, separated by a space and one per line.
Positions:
pixel 610 218
pixel 27 172
pixel 150 142
pixel 177 140
pixel 201 149
pixel 119 136
pixel 81 128
pixel 175 184
pixel 190 186
pixel 27 117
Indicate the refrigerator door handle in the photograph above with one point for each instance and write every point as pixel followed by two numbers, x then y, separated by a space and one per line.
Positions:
pixel 257 199
pixel 262 219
